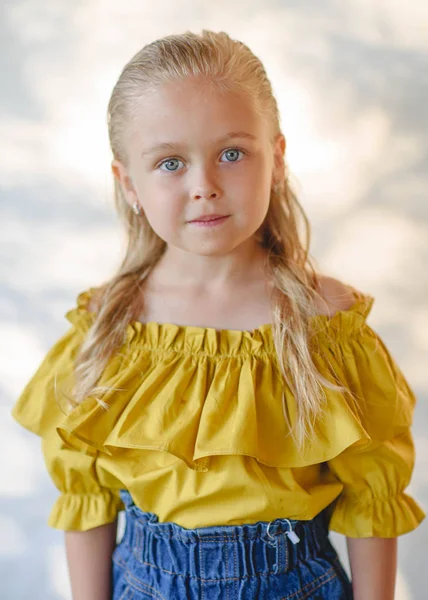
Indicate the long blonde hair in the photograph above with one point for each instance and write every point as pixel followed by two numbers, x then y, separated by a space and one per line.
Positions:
pixel 231 65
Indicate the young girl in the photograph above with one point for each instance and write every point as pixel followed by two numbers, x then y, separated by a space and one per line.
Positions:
pixel 232 400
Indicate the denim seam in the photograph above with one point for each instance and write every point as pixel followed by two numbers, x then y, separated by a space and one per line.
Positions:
pixel 127 593
pixel 143 587
pixel 320 584
pixel 227 564
pixel 257 574
pixel 137 546
pixel 211 538
pixel 330 574
pixel 234 560
pixel 201 567
pixel 286 557
pixel 282 541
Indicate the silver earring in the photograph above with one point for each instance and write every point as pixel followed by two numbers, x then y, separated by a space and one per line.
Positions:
pixel 136 208
pixel 276 188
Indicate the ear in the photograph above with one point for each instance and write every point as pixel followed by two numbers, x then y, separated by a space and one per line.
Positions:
pixel 121 174
pixel 278 153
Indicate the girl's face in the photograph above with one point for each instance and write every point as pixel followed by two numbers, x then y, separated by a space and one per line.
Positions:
pixel 192 152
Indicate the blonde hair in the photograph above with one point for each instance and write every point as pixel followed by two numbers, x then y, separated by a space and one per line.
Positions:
pixel 231 65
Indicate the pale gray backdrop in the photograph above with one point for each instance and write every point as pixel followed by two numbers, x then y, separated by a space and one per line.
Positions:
pixel 351 82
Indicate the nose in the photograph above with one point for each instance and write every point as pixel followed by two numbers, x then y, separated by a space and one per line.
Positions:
pixel 208 195
pixel 205 187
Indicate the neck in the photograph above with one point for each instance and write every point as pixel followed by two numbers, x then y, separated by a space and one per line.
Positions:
pixel 179 267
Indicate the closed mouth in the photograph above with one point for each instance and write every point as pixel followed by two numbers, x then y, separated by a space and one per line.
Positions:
pixel 210 218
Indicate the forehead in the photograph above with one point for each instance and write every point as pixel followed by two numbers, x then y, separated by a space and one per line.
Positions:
pixel 189 109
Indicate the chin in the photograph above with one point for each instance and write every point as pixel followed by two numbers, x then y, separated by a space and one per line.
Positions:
pixel 211 248
pixel 211 251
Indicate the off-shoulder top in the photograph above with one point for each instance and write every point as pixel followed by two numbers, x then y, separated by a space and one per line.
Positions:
pixel 195 429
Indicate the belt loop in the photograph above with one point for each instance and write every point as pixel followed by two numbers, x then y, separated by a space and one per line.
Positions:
pixel 280 553
pixel 278 543
pixel 286 557
pixel 281 545
pixel 126 498
pixel 138 544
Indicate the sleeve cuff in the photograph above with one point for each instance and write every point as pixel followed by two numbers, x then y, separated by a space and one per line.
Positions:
pixel 384 518
pixel 80 512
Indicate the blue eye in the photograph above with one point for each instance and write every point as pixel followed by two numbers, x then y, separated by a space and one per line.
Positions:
pixel 234 152
pixel 168 161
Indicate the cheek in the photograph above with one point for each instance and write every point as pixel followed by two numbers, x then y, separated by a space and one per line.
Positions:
pixel 163 206
pixel 255 176
pixel 254 188
pixel 162 212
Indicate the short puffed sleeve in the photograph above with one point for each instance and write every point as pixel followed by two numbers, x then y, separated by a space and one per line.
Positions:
pixel 84 503
pixel 374 502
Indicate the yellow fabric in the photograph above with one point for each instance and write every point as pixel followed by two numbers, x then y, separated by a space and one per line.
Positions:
pixel 195 430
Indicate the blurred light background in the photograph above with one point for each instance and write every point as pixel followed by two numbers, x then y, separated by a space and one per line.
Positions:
pixel 351 82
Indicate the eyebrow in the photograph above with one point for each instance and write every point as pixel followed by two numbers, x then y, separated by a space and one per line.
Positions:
pixel 172 146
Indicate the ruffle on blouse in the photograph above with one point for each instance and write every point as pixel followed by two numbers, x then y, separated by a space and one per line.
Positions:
pixel 197 392
pixel 80 512
pixel 388 516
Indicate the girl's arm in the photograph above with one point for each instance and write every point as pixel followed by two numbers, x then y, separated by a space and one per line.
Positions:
pixel 89 561
pixel 373 566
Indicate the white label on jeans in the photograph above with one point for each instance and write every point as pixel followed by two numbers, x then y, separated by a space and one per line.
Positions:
pixel 293 537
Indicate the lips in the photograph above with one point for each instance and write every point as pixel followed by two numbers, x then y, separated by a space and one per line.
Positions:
pixel 209 218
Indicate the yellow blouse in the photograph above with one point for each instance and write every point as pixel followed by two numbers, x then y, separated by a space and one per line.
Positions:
pixel 195 429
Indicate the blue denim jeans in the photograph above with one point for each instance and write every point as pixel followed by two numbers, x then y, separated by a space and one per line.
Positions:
pixel 281 560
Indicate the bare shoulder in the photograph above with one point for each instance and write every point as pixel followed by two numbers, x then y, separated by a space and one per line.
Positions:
pixel 94 301
pixel 336 295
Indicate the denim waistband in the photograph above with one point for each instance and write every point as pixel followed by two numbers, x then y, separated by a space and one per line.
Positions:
pixel 216 552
